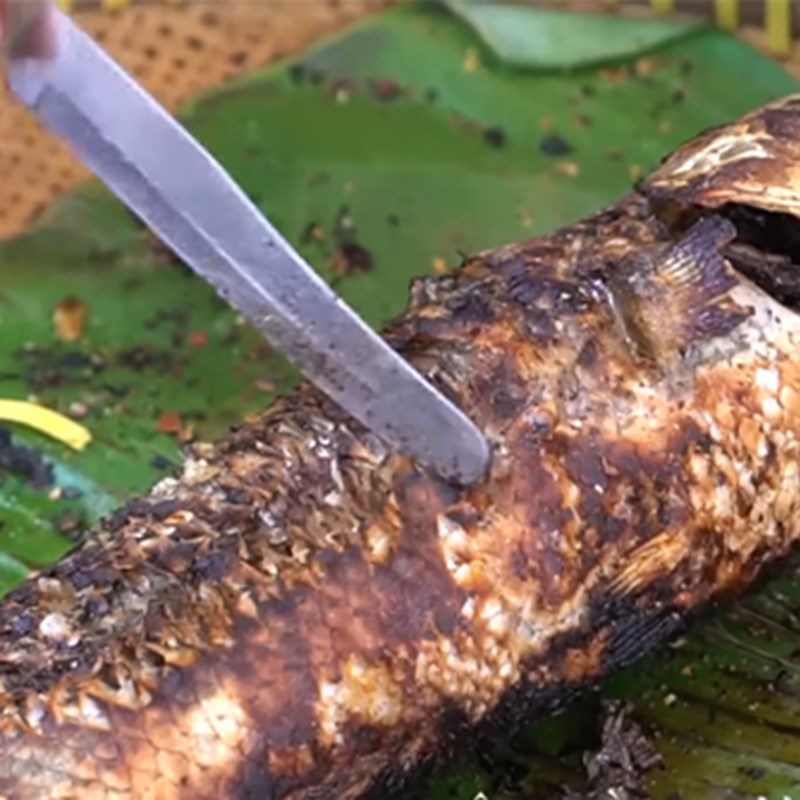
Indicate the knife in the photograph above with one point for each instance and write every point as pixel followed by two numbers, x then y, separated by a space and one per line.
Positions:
pixel 162 174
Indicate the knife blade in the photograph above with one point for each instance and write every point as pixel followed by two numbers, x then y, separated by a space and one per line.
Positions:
pixel 164 175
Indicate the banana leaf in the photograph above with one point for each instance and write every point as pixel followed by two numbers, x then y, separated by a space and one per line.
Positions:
pixel 547 38
pixel 385 152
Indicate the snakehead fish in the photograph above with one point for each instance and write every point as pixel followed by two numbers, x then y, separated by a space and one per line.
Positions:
pixel 306 614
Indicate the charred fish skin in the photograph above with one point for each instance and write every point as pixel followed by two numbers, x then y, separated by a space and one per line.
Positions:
pixel 305 614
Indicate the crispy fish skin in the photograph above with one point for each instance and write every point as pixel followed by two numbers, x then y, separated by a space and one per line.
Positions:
pixel 305 614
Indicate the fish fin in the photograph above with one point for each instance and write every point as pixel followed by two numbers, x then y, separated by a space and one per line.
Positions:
pixel 649 562
pixel 679 296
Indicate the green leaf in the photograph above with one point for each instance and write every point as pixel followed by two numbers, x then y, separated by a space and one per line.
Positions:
pixel 12 572
pixel 537 38
pixel 391 136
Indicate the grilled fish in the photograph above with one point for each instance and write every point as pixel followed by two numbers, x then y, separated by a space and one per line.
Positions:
pixel 304 613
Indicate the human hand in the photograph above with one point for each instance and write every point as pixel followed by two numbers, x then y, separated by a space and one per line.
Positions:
pixel 25 28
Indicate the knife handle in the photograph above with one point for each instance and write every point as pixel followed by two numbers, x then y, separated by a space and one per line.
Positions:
pixel 26 29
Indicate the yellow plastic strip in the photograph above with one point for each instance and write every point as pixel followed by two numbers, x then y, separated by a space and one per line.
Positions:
pixel 662 6
pixel 727 14
pixel 46 421
pixel 778 21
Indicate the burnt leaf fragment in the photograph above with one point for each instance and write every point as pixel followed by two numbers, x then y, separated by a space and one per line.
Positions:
pixel 555 145
pixel 25 462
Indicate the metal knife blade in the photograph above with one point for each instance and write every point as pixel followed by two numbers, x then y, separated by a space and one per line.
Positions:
pixel 184 195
